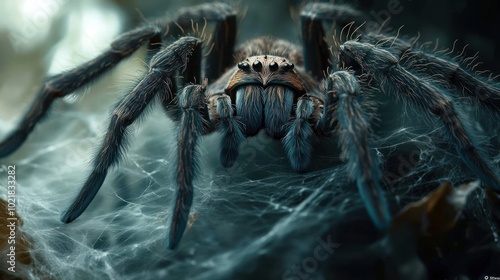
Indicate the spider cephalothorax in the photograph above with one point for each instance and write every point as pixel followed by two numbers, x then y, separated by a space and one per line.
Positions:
pixel 266 71
pixel 263 84
pixel 292 92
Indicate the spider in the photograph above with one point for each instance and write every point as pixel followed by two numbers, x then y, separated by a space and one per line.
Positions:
pixel 269 84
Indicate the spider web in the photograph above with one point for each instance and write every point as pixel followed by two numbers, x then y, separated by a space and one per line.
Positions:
pixel 257 219
pixel 256 216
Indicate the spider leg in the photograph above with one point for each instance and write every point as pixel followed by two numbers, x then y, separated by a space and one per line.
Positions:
pixel 191 127
pixel 65 83
pixel 385 68
pixel 220 55
pixel 354 130
pixel 440 69
pixel 191 74
pixel 163 66
pixel 315 45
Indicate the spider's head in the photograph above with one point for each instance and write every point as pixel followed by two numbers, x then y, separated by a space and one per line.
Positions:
pixel 264 71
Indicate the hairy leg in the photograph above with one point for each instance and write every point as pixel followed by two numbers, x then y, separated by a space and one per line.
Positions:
pixel 354 130
pixel 66 83
pixel 220 55
pixel 442 69
pixel 191 126
pixel 385 68
pixel 191 73
pixel 315 44
pixel 162 67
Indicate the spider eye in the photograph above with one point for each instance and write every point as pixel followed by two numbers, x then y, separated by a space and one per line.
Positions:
pixel 287 66
pixel 243 66
pixel 257 65
pixel 273 66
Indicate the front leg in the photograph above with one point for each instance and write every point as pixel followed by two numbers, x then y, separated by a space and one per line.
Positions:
pixel 428 99
pixel 191 127
pixel 163 67
pixel 447 71
pixel 343 111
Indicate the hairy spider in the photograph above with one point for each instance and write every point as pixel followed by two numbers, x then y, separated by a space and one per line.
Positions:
pixel 274 85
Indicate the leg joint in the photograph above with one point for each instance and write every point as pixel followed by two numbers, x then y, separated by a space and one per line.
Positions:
pixel 134 39
pixel 441 107
pixel 192 97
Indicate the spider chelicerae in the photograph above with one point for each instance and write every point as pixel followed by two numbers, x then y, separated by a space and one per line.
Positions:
pixel 290 91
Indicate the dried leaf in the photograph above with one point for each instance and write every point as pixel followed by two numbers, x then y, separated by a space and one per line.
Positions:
pixel 436 213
